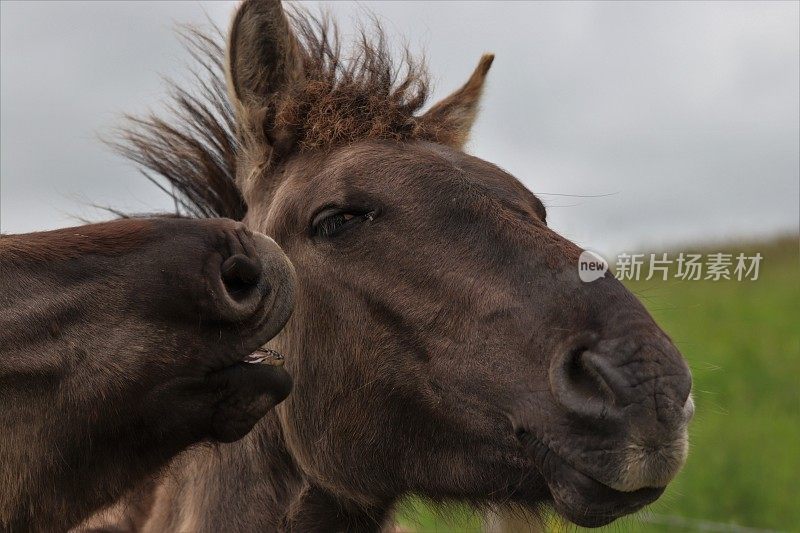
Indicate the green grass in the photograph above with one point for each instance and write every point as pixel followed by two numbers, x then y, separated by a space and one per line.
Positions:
pixel 742 341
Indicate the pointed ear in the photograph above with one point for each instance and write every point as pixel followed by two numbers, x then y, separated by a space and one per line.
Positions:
pixel 263 60
pixel 450 120
pixel 262 52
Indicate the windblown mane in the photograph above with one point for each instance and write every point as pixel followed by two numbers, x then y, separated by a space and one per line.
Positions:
pixel 195 148
pixel 339 100
pixel 343 99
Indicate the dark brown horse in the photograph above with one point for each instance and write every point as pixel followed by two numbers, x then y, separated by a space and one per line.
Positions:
pixel 121 344
pixel 442 342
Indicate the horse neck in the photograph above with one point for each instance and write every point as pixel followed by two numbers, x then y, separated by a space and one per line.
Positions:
pixel 242 486
pixel 254 484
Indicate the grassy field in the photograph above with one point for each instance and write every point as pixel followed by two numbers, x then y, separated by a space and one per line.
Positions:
pixel 742 341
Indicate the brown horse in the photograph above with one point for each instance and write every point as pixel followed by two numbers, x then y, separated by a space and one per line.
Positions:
pixel 442 342
pixel 121 344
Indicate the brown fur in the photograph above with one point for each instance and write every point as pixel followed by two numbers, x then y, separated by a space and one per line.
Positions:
pixel 57 245
pixel 442 343
pixel 119 348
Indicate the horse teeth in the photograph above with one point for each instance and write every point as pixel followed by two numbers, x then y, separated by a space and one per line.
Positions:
pixel 265 356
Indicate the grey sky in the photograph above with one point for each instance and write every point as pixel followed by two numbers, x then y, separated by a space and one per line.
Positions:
pixel 681 119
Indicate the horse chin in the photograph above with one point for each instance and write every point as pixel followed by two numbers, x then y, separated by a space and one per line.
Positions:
pixel 582 499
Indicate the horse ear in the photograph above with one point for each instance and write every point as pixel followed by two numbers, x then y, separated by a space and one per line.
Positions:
pixel 263 55
pixel 451 120
pixel 263 60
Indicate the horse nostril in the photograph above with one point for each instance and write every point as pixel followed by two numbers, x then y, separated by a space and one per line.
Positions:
pixel 584 378
pixel 252 282
pixel 580 385
pixel 240 274
pixel 642 381
pixel 604 375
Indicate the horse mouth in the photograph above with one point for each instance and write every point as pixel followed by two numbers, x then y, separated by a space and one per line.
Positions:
pixel 265 356
pixel 579 497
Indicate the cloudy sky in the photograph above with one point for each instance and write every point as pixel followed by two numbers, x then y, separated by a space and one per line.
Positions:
pixel 639 124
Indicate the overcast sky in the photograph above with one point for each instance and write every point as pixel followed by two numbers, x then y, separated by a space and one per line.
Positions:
pixel 675 122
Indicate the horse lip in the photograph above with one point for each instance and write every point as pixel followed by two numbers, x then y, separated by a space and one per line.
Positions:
pixel 581 498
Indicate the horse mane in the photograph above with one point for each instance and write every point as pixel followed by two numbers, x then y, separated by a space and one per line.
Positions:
pixel 195 147
pixel 342 98
pixel 366 95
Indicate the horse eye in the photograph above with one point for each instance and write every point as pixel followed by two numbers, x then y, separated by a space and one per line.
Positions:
pixel 331 222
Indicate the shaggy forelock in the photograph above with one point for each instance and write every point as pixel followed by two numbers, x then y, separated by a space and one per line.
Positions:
pixel 341 98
